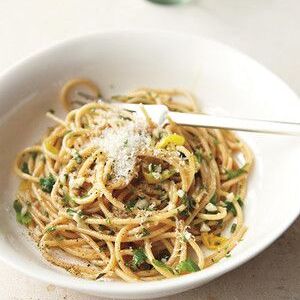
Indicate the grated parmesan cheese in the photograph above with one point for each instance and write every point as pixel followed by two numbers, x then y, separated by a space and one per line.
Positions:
pixel 211 207
pixel 186 235
pixel 180 193
pixel 122 144
pixel 142 204
pixel 204 228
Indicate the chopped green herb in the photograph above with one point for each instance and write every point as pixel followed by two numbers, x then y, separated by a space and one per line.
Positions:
pixel 47 183
pixel 86 194
pixel 240 201
pixel 235 173
pixel 214 199
pixel 160 264
pixel 51 111
pixel 80 214
pixel 126 142
pixel 71 212
pixel 187 266
pixel 145 232
pixel 67 199
pixel 184 213
pixel 230 207
pixel 51 228
pixel 139 257
pixel 33 155
pixel 23 219
pixel 233 228
pixel 228 255
pixel 154 168
pixel 150 208
pixel 24 168
pixel 188 201
pixel 198 156
pixel 129 205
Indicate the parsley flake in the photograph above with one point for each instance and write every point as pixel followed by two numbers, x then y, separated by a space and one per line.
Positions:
pixel 23 219
pixel 235 173
pixel 187 266
pixel 138 258
pixel 25 168
pixel 47 183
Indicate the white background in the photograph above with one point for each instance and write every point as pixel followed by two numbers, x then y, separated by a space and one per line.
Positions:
pixel 267 30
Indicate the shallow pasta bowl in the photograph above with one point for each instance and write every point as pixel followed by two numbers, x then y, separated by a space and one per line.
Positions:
pixel 225 82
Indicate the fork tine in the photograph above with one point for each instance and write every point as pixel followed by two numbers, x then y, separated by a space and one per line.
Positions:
pixel 128 106
pixel 156 112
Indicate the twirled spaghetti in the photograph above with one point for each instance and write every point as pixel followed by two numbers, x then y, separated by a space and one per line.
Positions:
pixel 109 195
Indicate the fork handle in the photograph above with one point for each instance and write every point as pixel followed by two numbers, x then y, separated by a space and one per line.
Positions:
pixel 238 124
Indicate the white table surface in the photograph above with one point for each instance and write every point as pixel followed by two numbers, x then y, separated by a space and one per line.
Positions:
pixel 268 30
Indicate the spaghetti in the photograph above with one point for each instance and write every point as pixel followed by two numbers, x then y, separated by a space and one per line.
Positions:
pixel 107 194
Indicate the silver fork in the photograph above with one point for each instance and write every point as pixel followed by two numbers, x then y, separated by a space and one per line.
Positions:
pixel 158 113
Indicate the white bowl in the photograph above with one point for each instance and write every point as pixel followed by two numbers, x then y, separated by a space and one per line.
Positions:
pixel 225 82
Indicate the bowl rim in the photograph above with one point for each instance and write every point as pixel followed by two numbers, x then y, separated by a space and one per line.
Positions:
pixel 166 286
